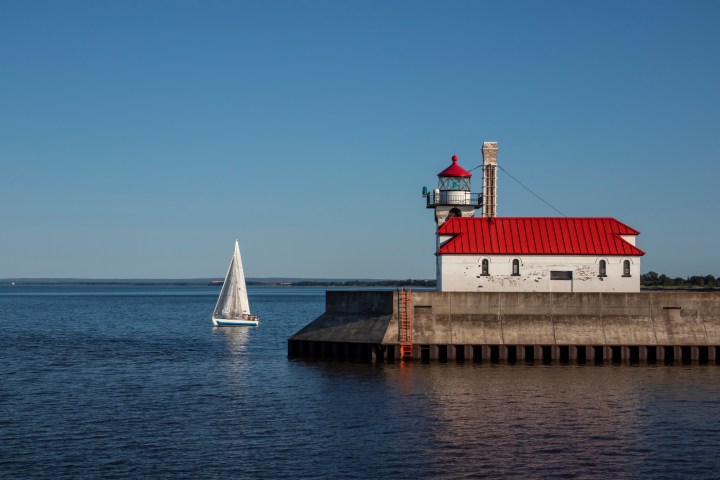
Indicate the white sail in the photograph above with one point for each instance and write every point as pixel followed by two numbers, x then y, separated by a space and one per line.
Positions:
pixel 233 301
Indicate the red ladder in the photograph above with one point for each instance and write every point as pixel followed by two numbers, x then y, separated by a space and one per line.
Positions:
pixel 405 322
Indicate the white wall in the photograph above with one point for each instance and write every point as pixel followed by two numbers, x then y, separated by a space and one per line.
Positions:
pixel 629 238
pixel 462 273
pixel 442 212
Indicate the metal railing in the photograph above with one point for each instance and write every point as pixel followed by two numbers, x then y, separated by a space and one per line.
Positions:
pixel 454 197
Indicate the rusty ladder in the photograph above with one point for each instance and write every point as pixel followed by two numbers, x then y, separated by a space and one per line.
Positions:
pixel 405 322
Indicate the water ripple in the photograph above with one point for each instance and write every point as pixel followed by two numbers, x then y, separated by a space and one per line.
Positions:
pixel 134 385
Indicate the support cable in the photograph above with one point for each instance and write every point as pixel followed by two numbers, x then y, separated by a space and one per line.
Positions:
pixel 524 186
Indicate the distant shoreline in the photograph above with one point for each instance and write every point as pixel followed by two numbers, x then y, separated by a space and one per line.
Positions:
pixel 211 282
pixel 216 282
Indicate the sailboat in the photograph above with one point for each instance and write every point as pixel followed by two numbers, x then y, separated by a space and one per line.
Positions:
pixel 232 308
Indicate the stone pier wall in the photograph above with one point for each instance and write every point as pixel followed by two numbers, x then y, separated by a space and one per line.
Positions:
pixel 520 325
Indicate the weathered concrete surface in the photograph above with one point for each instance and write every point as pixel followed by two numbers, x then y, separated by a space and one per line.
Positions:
pixel 360 302
pixel 355 317
pixel 470 318
pixel 349 328
pixel 530 330
pixel 712 330
pixel 578 330
pixel 627 330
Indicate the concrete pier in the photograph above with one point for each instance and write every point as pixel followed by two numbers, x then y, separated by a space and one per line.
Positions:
pixel 518 327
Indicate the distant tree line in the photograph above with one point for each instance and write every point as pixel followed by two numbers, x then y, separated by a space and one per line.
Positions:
pixel 653 279
pixel 367 283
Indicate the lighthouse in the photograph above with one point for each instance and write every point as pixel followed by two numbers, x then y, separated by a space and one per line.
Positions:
pixel 452 197
pixel 523 254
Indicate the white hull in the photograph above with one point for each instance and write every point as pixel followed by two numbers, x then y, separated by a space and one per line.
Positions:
pixel 251 321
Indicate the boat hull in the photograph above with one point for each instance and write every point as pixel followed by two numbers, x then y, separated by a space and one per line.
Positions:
pixel 236 322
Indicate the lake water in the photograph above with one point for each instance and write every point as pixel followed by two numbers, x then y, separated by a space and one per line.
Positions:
pixel 134 382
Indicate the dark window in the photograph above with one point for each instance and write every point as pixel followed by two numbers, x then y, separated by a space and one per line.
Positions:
pixel 454 212
pixel 626 268
pixel 560 275
pixel 603 268
pixel 516 267
pixel 485 267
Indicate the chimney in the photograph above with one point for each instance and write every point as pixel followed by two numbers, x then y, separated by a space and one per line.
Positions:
pixel 489 202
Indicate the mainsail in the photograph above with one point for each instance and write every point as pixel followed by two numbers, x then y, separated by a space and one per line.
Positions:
pixel 233 301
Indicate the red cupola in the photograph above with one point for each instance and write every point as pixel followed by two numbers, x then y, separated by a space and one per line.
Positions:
pixel 455 170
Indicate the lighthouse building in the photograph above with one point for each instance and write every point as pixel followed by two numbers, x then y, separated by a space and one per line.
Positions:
pixel 524 254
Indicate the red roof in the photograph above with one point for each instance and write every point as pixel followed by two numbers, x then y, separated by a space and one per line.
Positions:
pixel 537 236
pixel 455 170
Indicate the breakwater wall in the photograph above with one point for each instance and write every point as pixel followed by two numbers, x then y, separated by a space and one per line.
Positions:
pixel 470 326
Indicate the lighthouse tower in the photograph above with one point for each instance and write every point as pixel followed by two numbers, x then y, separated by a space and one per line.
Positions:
pixel 452 197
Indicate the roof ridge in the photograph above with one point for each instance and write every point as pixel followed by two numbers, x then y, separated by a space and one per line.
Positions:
pixel 542 236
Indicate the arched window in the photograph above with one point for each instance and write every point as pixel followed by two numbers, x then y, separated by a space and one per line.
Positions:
pixel 603 268
pixel 454 212
pixel 516 267
pixel 485 267
pixel 626 268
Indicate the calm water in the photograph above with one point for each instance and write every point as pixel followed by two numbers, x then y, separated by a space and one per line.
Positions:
pixel 134 382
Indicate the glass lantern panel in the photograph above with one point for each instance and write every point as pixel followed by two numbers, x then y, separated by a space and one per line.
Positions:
pixel 454 183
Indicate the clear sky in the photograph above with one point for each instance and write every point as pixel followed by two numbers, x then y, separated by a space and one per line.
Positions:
pixel 138 139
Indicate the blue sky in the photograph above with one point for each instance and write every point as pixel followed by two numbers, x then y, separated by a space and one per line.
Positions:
pixel 140 138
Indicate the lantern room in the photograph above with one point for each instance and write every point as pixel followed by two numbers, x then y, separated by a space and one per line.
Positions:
pixel 454 177
pixel 452 197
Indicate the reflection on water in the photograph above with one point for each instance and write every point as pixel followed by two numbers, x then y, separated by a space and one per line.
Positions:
pixel 236 338
pixel 501 421
pixel 142 386
pixel 235 363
